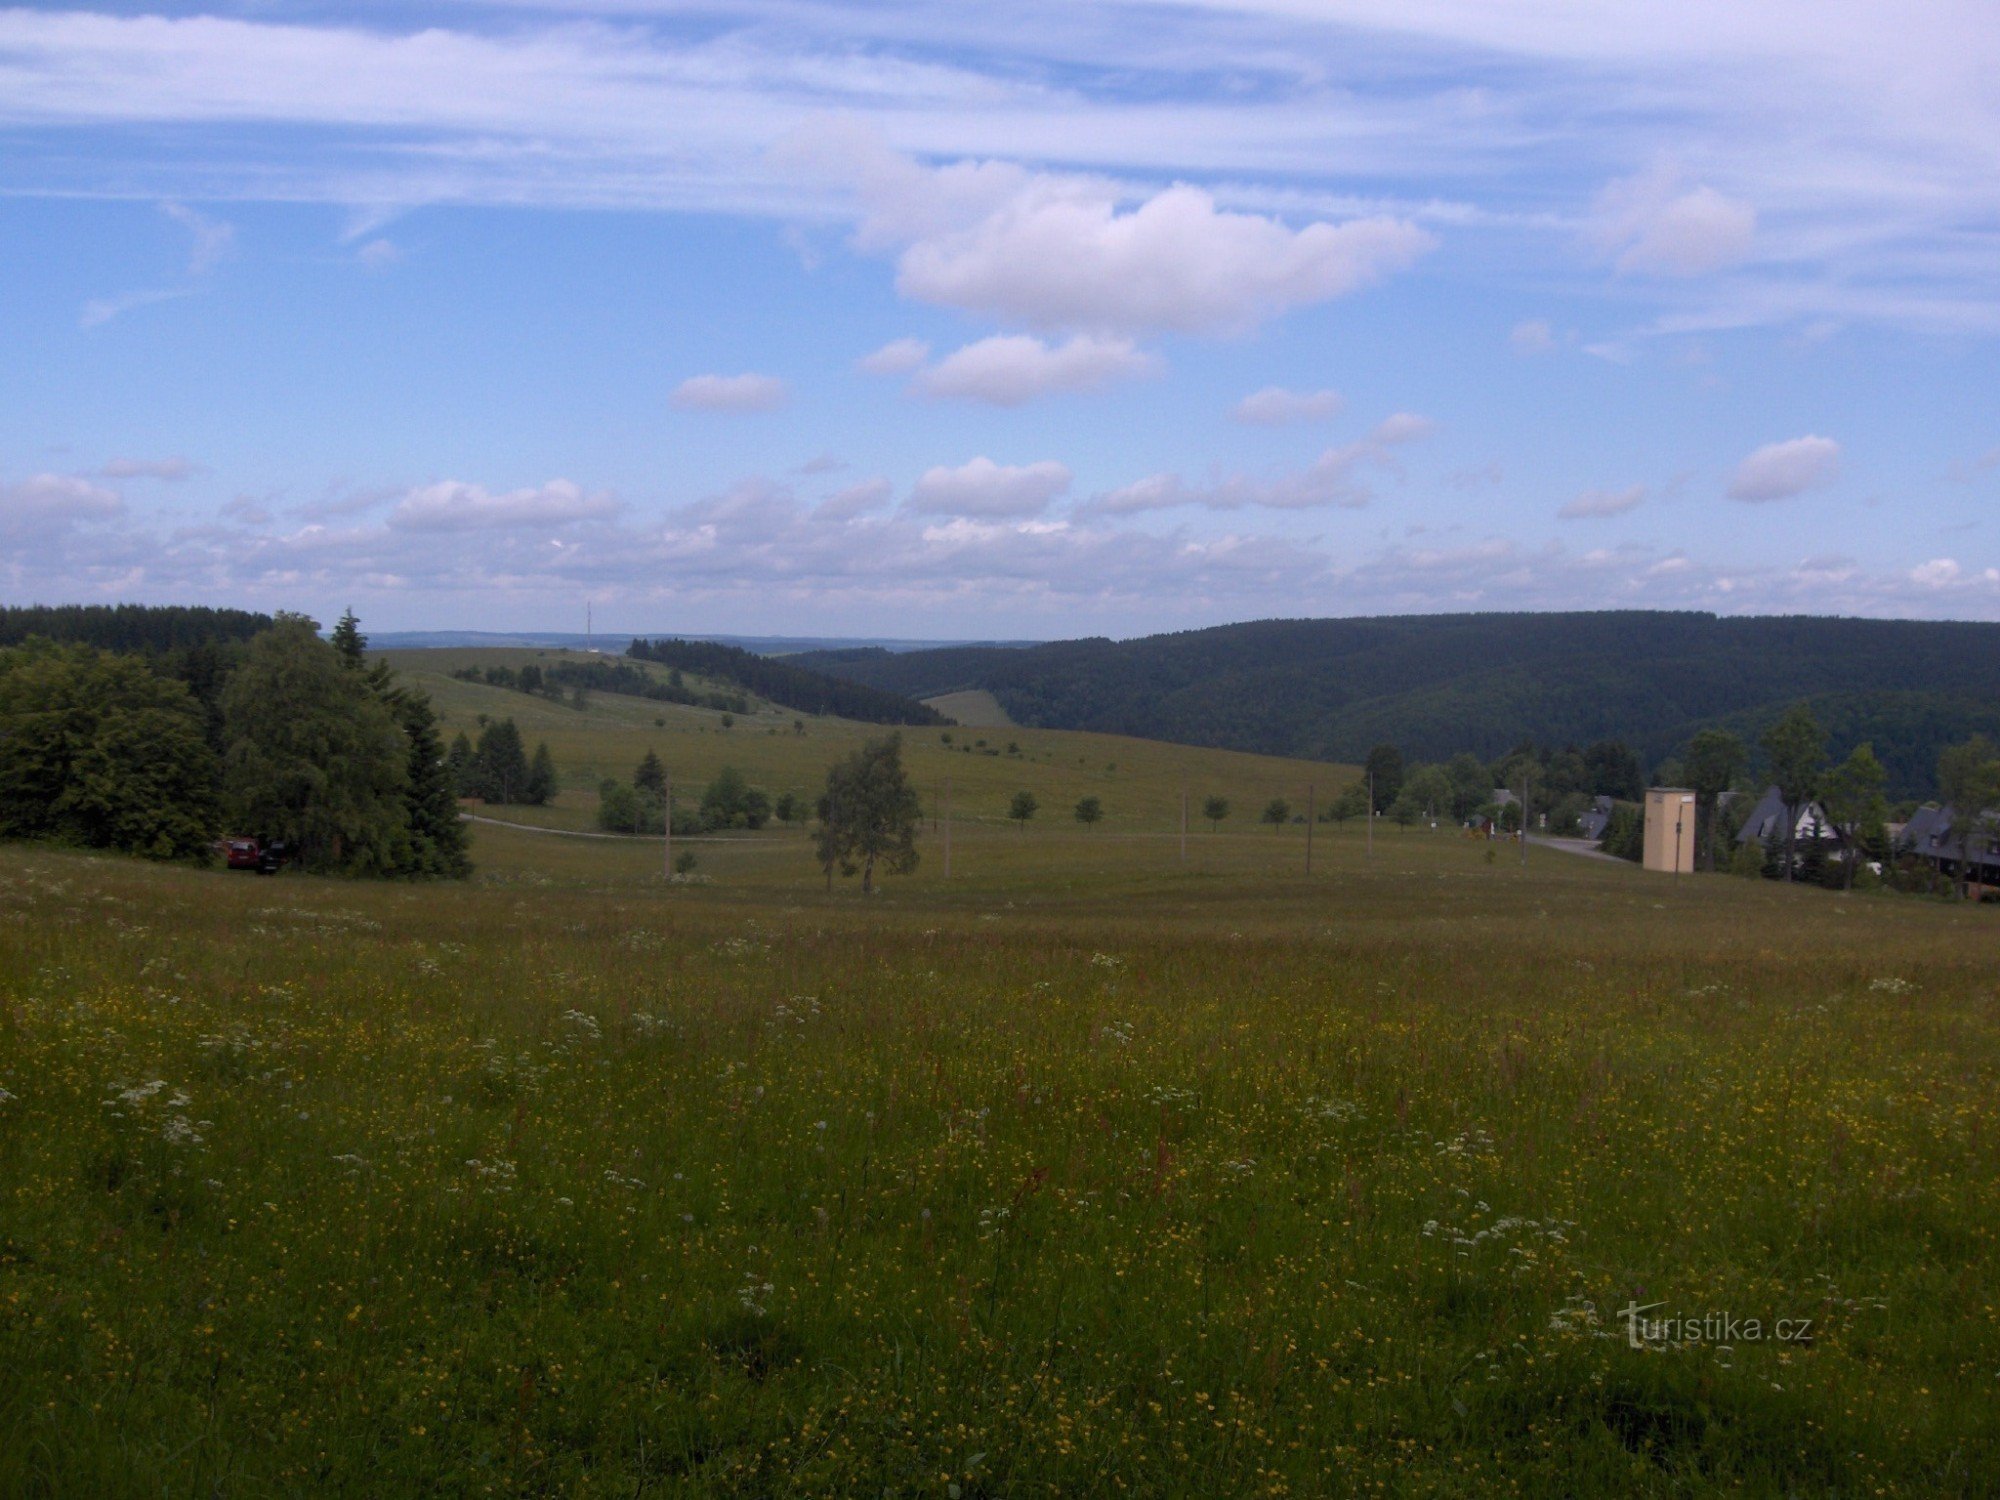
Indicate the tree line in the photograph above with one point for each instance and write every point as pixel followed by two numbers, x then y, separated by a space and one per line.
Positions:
pixel 576 680
pixel 728 801
pixel 786 683
pixel 498 768
pixel 303 743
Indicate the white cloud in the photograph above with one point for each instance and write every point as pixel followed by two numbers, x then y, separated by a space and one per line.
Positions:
pixel 984 490
pixel 1778 471
pixel 897 357
pixel 173 468
pixel 50 504
pixel 1060 254
pixel 1654 224
pixel 730 393
pixel 1331 480
pixel 452 505
pixel 1595 504
pixel 854 500
pixel 1938 573
pixel 1401 427
pixel 1011 369
pixel 1533 336
pixel 1274 406
pixel 378 254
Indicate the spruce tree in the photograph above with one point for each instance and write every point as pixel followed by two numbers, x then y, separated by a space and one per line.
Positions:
pixel 542 781
pixel 502 763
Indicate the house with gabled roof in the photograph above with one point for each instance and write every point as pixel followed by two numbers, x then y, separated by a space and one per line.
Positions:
pixel 1765 823
pixel 1941 838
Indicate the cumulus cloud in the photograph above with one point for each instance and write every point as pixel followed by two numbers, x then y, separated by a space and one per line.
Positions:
pixel 1274 406
pixel 452 505
pixel 854 500
pixel 1595 504
pixel 1067 253
pixel 1061 255
pixel 1778 471
pixel 1534 336
pixel 172 468
pixel 737 393
pixel 1012 369
pixel 48 504
pixel 985 490
pixel 1656 225
pixel 1331 480
pixel 897 357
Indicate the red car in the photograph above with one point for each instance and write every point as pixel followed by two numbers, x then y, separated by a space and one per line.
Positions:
pixel 259 855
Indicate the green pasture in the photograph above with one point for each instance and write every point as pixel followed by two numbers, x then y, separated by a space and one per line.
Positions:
pixel 1089 1170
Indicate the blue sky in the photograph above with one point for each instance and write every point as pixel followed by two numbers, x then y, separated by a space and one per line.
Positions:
pixel 775 316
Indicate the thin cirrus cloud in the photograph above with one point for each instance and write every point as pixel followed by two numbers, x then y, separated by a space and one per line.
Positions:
pixel 1274 406
pixel 1013 369
pixel 211 242
pixel 730 393
pixel 984 490
pixel 1333 480
pixel 1882 118
pixel 171 469
pixel 1532 336
pixel 452 505
pixel 1594 505
pixel 1780 471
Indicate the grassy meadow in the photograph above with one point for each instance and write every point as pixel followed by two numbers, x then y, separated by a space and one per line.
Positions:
pixel 1085 1172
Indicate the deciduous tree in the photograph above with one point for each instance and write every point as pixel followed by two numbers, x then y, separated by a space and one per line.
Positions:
pixel 868 815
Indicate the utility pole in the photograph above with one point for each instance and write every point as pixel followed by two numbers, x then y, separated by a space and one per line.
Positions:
pixel 1184 810
pixel 667 825
pixel 1371 814
pixel 947 828
pixel 1312 807
pixel 1524 818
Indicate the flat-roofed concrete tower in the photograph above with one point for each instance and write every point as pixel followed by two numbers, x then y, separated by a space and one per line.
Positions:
pixel 1670 824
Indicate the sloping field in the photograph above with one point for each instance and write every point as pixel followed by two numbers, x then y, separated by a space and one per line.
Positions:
pixel 1074 1174
pixel 978 709
pixel 1139 782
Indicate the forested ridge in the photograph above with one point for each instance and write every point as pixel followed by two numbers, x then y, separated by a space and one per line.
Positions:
pixel 1436 685
pixel 790 682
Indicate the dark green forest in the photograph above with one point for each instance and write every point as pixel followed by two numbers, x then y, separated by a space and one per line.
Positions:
pixel 1436 685
pixel 155 731
pixel 790 682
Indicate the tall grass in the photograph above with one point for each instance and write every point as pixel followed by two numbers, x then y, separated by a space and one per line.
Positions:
pixel 1085 1174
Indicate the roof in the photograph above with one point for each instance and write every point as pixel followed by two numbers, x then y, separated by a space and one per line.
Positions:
pixel 1933 833
pixel 1767 820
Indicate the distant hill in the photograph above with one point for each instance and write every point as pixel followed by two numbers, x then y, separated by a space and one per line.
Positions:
pixel 612 642
pixel 1438 684
pixel 781 680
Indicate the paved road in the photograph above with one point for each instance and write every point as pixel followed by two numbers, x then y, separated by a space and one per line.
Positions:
pixel 579 833
pixel 1576 846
